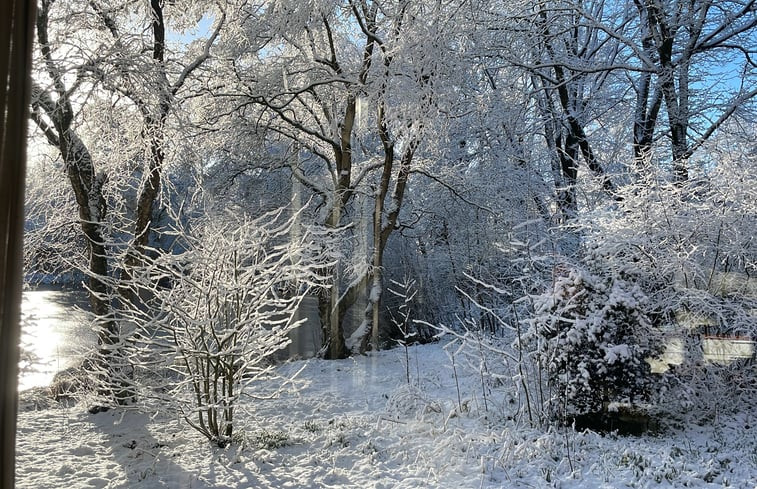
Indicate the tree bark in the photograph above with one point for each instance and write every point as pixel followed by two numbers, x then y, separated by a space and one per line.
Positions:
pixel 154 133
pixel 87 186
pixel 332 303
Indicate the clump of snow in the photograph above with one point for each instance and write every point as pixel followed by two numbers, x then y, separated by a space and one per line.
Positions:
pixel 352 342
pixel 358 423
pixel 615 353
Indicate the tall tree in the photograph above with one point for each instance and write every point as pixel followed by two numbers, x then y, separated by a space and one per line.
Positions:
pixel 696 58
pixel 154 93
pixel 349 84
pixel 76 69
pixel 53 112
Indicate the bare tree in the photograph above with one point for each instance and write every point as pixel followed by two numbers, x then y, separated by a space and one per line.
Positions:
pixel 569 62
pixel 53 112
pixel 349 89
pixel 689 47
pixel 73 72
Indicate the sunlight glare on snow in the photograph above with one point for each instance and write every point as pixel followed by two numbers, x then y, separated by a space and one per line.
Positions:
pixel 357 423
pixel 46 333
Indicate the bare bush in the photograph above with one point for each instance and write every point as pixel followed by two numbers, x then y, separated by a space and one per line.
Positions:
pixel 221 309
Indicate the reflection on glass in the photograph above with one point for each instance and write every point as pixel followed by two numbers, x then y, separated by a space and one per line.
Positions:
pixel 722 350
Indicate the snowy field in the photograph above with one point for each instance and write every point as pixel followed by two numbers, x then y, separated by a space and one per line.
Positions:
pixel 357 423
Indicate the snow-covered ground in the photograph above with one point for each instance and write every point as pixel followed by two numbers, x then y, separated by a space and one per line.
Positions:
pixel 358 423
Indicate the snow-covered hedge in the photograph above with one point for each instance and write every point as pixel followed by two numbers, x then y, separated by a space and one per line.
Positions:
pixel 592 335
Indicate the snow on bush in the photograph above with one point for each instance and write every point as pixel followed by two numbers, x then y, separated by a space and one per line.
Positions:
pixel 228 305
pixel 690 246
pixel 592 336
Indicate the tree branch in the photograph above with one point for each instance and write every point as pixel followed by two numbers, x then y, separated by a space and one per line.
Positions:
pixel 452 190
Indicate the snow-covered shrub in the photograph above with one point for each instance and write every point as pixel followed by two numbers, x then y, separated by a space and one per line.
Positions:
pixel 227 305
pixel 691 247
pixel 405 331
pixel 410 401
pixel 592 336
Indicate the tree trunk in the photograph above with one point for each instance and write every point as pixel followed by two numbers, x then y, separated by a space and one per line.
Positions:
pixel 88 191
pixel 382 229
pixel 331 326
pixel 677 122
pixel 567 200
pixel 154 132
